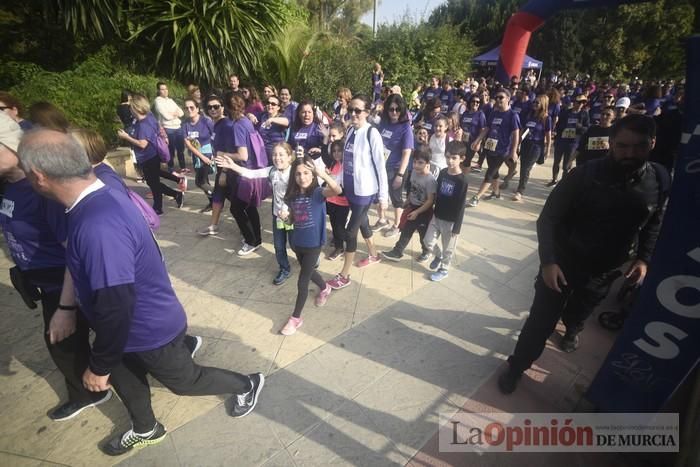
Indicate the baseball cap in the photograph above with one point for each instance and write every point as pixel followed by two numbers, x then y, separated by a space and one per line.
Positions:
pixel 623 102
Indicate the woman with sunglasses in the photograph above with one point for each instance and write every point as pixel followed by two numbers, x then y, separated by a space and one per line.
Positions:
pixel 537 143
pixel 500 136
pixel 472 122
pixel 198 131
pixel 222 141
pixel 364 178
pixel 273 126
pixel 397 135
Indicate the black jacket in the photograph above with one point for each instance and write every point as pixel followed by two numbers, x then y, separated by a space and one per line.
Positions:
pixel 597 217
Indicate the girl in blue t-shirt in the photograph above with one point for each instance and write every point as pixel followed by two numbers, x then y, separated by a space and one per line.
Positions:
pixel 307 205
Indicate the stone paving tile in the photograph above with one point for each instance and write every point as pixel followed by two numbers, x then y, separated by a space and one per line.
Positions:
pixel 348 437
pixel 12 460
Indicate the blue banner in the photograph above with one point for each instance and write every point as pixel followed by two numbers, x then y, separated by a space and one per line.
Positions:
pixel 660 343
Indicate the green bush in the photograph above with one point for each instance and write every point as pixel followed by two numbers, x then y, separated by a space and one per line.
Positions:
pixel 332 65
pixel 90 93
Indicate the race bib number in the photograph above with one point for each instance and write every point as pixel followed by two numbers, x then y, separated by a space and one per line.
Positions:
pixel 598 143
pixel 568 133
pixel 491 144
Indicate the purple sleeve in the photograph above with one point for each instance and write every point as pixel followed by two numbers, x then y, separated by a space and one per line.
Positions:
pixel 407 141
pixel 240 133
pixel 482 121
pixel 516 122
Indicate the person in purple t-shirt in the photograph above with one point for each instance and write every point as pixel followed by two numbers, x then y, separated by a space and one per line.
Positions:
pixel 307 134
pixel 146 132
pixel 289 107
pixel 377 82
pixel 125 294
pixel 397 136
pixel 35 233
pixel 273 125
pixel 501 137
pixel 197 131
pixel 472 121
pixel 243 211
pixel 536 144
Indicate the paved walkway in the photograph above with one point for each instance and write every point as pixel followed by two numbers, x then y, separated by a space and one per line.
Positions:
pixel 363 381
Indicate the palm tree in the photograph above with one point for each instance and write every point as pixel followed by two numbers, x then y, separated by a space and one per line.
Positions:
pixel 286 56
pixel 203 40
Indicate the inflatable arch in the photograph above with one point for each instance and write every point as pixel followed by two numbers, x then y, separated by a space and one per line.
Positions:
pixel 530 18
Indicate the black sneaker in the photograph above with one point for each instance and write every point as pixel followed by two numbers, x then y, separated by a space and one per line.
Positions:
pixel 508 381
pixel 245 403
pixel 435 263
pixel 193 344
pixel 392 255
pixel 72 409
pixel 493 196
pixel 179 200
pixel 125 442
pixel 423 257
pixel 569 343
pixel 552 183
pixel 281 277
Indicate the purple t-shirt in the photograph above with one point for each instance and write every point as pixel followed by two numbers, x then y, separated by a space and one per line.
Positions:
pixel 348 175
pixel 242 128
pixel 222 138
pixel 537 128
pixel 472 123
pixel 447 99
pixel 397 137
pixel 308 137
pixel 110 245
pixel 34 227
pixel 202 131
pixel 309 216
pixel 554 110
pixel 147 129
pixel 109 177
pixel 521 107
pixel 431 92
pixel 501 126
pixel 272 135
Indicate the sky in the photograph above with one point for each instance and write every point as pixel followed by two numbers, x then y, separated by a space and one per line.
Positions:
pixel 389 11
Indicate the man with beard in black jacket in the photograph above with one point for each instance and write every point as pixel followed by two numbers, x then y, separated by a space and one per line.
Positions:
pixel 589 225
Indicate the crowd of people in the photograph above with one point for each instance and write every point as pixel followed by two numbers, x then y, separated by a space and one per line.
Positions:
pixel 83 247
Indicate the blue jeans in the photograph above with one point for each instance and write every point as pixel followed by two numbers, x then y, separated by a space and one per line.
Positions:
pixel 279 240
pixel 176 142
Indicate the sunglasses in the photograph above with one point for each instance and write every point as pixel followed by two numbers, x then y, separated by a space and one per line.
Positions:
pixel 609 97
pixel 475 102
pixel 273 103
pixel 356 111
pixel 392 109
pixel 214 107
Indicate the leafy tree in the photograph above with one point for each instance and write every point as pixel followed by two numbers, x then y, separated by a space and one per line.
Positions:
pixel 409 53
pixel 338 16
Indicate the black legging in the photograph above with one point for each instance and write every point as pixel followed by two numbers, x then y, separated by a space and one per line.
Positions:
pixel 308 258
pixel 563 154
pixel 246 216
pixel 339 217
pixel 152 175
pixel 358 221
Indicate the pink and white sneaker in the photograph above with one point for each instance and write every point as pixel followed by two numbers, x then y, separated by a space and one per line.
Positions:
pixel 292 325
pixel 369 261
pixel 323 295
pixel 338 282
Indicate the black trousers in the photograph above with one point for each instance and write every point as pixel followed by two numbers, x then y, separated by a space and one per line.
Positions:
pixel 72 354
pixel 421 225
pixel 573 305
pixel 247 216
pixel 338 216
pixel 308 259
pixel 173 366
pixel 563 154
pixel 529 153
pixel 152 174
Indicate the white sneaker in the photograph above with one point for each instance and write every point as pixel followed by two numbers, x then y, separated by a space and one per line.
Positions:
pixel 211 230
pixel 246 249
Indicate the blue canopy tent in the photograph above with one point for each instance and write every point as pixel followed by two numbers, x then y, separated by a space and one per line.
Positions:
pixel 490 58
